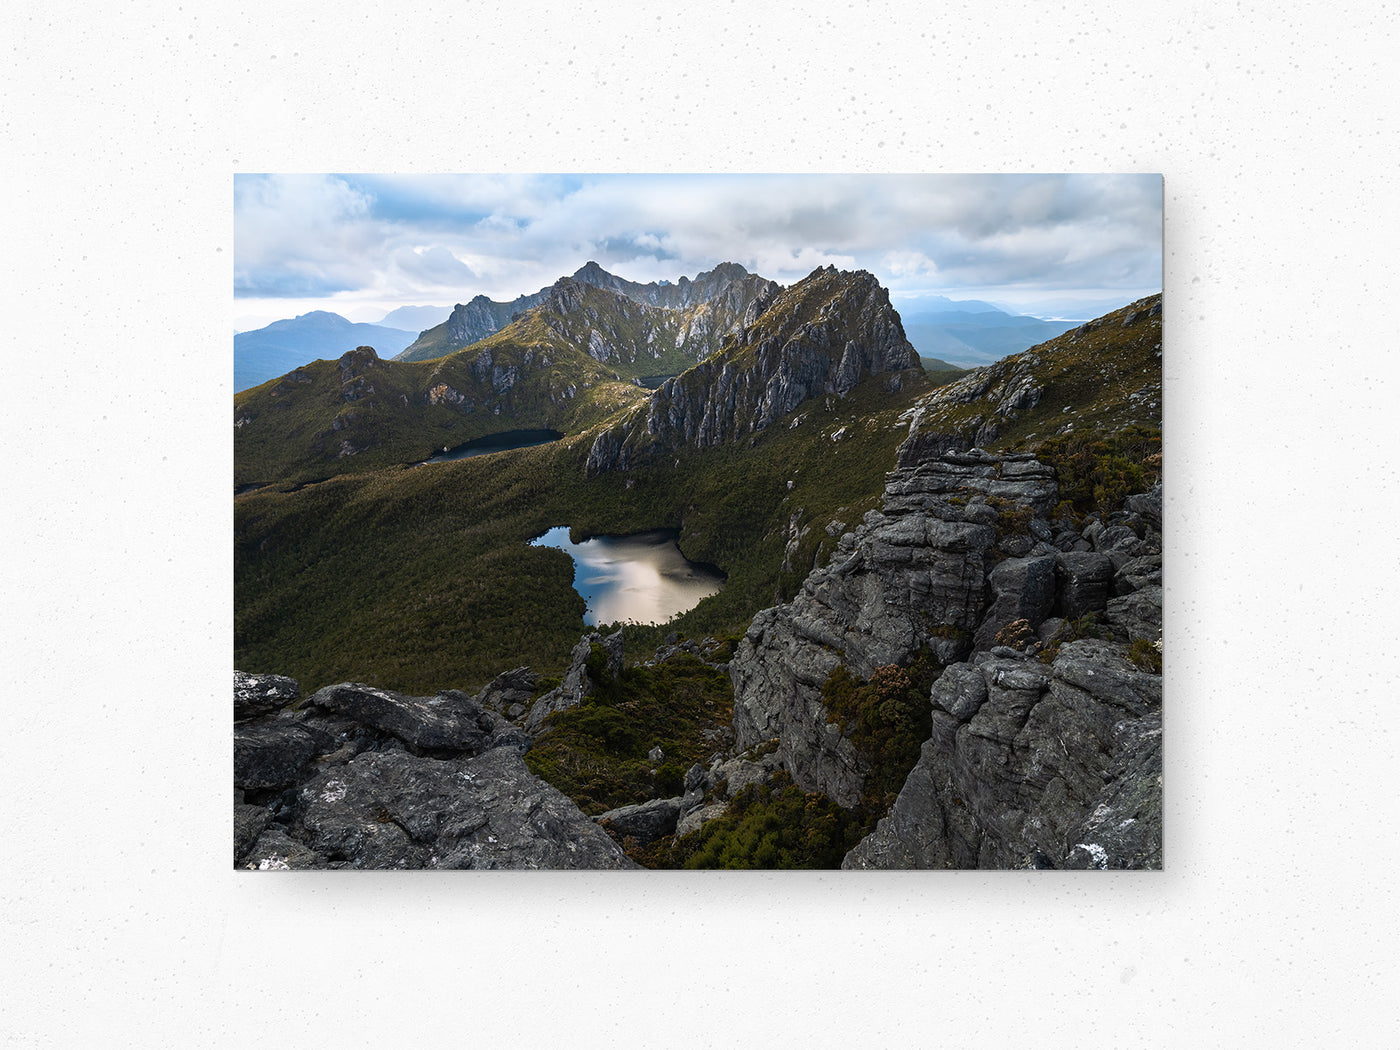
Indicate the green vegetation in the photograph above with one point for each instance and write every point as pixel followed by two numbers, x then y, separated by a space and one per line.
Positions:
pixel 1012 518
pixel 773 825
pixel 596 753
pixel 325 419
pixel 767 826
pixel 887 719
pixel 1097 473
pixel 1146 656
pixel 420 579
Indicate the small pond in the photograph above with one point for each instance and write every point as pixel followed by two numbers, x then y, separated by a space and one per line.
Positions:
pixel 642 578
pixel 501 442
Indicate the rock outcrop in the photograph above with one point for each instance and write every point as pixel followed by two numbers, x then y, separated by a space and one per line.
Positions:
pixel 360 777
pixel 577 682
pixel 824 335
pixel 255 695
pixel 395 810
pixel 910 578
pixel 1030 765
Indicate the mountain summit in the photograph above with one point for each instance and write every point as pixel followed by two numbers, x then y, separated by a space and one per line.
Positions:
pixel 269 352
pixel 712 303
pixel 824 335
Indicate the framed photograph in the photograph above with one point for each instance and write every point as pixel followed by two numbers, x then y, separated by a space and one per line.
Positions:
pixel 698 521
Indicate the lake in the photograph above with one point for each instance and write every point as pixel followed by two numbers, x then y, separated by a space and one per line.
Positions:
pixel 642 578
pixel 501 442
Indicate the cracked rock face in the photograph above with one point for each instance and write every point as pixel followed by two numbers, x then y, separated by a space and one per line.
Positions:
pixel 910 578
pixel 369 778
pixel 822 336
pixel 1031 765
pixel 394 810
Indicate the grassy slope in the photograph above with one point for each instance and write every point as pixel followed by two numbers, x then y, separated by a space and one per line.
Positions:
pixel 293 428
pixel 420 578
pixel 1100 381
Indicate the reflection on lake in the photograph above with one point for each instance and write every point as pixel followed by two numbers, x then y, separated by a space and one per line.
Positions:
pixel 501 442
pixel 642 578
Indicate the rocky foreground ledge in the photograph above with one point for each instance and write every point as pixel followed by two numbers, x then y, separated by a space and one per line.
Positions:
pixel 1045 748
pixel 358 777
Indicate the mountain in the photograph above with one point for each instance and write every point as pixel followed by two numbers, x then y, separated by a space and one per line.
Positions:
pixel 637 339
pixel 1076 310
pixel 361 412
pixel 559 365
pixel 414 318
pixel 938 646
pixel 283 345
pixel 710 307
pixel 1100 378
pixel 930 307
pixel 822 336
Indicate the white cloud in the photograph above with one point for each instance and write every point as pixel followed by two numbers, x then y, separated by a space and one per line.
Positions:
pixel 408 238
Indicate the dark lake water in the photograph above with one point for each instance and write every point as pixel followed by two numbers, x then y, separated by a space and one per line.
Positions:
pixel 501 442
pixel 642 578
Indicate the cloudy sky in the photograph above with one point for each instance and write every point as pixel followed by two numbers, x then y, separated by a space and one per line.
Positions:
pixel 361 245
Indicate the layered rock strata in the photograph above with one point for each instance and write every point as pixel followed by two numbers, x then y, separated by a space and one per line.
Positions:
pixel 910 578
pixel 1029 763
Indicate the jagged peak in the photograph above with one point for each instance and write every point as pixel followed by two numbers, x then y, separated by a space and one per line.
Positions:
pixel 726 270
pixel 590 269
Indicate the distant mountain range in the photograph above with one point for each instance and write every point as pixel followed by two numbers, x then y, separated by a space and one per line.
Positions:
pixel 284 345
pixel 972 333
pixel 414 318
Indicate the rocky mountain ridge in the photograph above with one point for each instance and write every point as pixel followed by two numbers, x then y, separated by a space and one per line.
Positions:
pixel 710 305
pixel 822 336
pixel 556 366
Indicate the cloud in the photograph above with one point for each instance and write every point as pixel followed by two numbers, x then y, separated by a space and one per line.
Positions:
pixel 415 238
pixel 909 264
pixel 298 235
pixel 433 266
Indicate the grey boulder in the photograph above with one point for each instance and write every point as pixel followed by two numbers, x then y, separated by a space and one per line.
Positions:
pixel 396 810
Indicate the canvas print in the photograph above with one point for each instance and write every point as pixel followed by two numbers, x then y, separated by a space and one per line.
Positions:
pixel 698 521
